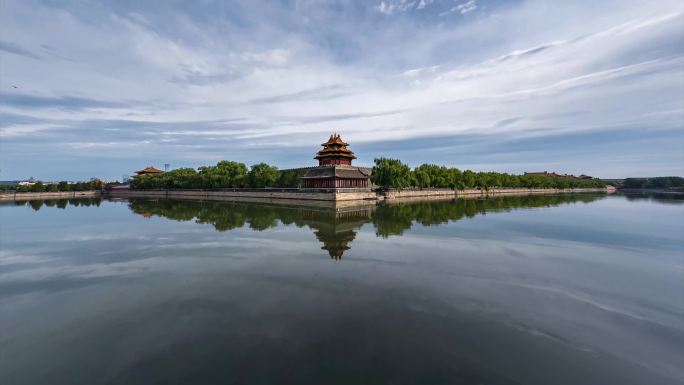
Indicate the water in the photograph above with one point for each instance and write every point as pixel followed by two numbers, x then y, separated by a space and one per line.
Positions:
pixel 584 289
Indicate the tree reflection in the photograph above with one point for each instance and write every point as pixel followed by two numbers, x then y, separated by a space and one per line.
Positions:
pixel 223 216
pixel 394 219
pixel 336 229
pixel 660 197
pixel 37 204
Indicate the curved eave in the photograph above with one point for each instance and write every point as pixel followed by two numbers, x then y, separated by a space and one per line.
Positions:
pixel 342 144
pixel 334 156
pixel 330 142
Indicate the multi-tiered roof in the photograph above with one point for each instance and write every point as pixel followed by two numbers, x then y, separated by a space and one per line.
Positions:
pixel 334 148
pixel 148 170
pixel 335 168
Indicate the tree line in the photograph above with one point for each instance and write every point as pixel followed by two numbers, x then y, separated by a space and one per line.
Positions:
pixel 62 186
pixel 226 174
pixel 387 173
pixel 388 220
pixel 392 173
pixel 657 182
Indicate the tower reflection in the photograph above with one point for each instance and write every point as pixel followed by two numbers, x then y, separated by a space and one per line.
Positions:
pixel 336 228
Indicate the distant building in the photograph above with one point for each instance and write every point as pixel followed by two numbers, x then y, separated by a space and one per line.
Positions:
pixel 148 170
pixel 119 186
pixel 335 168
pixel 30 182
pixel 555 175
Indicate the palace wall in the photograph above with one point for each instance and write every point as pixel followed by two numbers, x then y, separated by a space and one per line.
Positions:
pixel 335 195
pixel 259 195
pixel 27 196
pixel 393 194
pixel 315 195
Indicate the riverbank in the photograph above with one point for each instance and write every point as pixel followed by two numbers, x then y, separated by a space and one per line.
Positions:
pixel 331 195
pixel 427 193
pixel 341 197
pixel 651 190
pixel 27 196
pixel 335 195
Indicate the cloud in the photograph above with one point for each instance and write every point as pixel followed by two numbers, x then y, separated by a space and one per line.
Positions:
pixel 8 131
pixel 66 102
pixel 461 8
pixel 466 7
pixel 325 92
pixel 17 50
pixel 249 81
pixel 388 7
pixel 424 3
pixel 274 57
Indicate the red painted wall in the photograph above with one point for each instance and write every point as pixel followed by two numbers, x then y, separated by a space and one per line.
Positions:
pixel 335 183
pixel 327 161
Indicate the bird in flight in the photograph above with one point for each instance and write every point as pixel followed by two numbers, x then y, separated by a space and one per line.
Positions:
pixel 15 87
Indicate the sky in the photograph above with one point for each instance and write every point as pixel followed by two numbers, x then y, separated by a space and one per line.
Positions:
pixel 101 89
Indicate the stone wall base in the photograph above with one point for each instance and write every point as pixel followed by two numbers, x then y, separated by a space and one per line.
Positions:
pixel 336 196
pixel 230 195
pixel 27 196
pixel 480 193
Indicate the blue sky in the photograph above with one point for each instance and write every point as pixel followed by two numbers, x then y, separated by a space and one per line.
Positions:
pixel 101 89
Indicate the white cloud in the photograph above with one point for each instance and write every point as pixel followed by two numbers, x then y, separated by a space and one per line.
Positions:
pixel 283 83
pixel 461 8
pixel 18 130
pixel 424 3
pixel 466 7
pixel 388 7
pixel 274 57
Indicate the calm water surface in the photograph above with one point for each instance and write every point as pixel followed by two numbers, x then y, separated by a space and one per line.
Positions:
pixel 574 290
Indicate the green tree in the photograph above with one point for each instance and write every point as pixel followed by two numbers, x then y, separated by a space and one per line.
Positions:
pixel 181 178
pixel 454 177
pixel 224 174
pixel 262 175
pixel 233 173
pixel 391 173
pixel 38 187
pixel 290 178
pixel 422 177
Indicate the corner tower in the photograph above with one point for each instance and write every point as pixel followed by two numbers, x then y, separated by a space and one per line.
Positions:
pixel 335 152
pixel 335 170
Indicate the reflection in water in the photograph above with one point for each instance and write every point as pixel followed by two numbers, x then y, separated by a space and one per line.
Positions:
pixel 395 219
pixel 58 203
pixel 102 295
pixel 336 229
pixel 668 198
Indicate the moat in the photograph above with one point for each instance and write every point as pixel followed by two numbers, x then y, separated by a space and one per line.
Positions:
pixel 547 289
